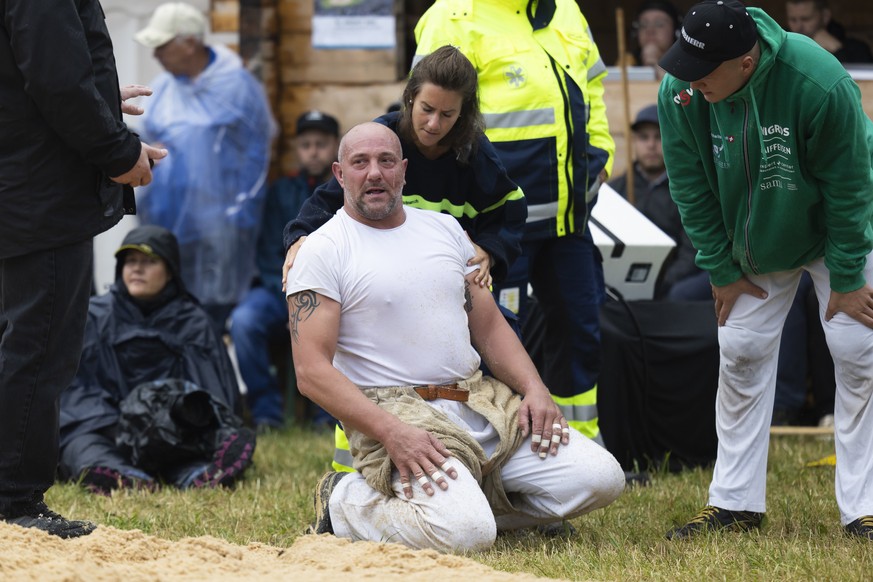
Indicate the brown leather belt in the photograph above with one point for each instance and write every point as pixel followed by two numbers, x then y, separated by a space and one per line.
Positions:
pixel 447 391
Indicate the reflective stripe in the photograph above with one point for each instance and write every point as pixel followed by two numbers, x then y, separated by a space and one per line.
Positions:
pixel 597 68
pixel 515 119
pixel 590 429
pixel 578 412
pixel 455 210
pixel 342 457
pixel 537 212
pixel 516 194
pixel 442 206
pixel 581 407
pixel 581 413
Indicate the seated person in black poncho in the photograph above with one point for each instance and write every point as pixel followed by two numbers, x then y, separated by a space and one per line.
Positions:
pixel 155 396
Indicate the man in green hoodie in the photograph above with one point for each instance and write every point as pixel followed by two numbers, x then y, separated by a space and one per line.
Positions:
pixel 768 152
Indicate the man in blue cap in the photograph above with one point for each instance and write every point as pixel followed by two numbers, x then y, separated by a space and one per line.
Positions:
pixel 261 318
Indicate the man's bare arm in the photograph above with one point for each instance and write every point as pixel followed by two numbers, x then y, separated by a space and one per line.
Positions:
pixel 300 307
pixel 509 362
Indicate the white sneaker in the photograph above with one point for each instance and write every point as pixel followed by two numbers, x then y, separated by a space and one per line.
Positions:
pixel 826 421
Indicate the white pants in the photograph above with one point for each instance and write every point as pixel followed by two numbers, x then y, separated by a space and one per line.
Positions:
pixel 581 478
pixel 749 348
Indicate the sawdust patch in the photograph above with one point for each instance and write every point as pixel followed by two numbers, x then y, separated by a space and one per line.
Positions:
pixel 111 554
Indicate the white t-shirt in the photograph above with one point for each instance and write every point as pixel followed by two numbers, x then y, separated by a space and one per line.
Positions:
pixel 401 292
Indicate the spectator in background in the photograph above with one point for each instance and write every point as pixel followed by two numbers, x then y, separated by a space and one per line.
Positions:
pixel 213 116
pixel 655 28
pixel 543 101
pixel 67 167
pixel 155 393
pixel 813 19
pixel 261 318
pixel 652 198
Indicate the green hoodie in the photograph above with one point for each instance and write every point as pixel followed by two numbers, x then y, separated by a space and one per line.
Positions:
pixel 779 173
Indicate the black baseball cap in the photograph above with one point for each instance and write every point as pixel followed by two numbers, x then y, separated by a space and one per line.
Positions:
pixel 318 121
pixel 155 241
pixel 712 32
pixel 648 114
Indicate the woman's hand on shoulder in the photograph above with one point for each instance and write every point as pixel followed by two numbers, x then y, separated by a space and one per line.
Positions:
pixel 289 259
pixel 483 259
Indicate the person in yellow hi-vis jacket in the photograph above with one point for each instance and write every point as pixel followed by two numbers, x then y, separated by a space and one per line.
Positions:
pixel 541 92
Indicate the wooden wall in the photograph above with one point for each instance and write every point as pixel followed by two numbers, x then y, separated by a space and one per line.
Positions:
pixel 275 43
pixel 352 85
pixel 358 85
pixel 355 104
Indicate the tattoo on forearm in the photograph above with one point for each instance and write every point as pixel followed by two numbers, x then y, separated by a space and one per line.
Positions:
pixel 302 306
pixel 468 299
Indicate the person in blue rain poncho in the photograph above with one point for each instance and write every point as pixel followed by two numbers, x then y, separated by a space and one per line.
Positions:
pixel 212 114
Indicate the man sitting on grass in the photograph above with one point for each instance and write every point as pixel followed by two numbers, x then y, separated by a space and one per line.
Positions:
pixel 383 312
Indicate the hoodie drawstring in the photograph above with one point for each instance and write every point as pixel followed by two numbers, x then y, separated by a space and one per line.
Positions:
pixel 758 126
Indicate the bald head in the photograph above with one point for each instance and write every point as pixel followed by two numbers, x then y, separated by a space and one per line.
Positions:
pixel 367 131
pixel 371 169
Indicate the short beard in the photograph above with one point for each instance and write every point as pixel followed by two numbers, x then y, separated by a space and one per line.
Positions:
pixel 373 214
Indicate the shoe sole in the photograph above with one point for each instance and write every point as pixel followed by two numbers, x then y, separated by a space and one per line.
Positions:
pixel 59 527
pixel 323 491
pixel 697 528
pixel 233 457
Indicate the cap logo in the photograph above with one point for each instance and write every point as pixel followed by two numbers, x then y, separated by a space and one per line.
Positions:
pixel 693 41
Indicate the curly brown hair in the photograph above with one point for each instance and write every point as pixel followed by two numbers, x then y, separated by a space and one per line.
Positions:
pixel 449 69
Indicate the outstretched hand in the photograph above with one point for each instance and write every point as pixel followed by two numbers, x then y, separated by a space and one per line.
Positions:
pixel 131 92
pixel 419 455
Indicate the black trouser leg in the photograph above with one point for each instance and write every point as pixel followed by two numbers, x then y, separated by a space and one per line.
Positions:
pixel 43 307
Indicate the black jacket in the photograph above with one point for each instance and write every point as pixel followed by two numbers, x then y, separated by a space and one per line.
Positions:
pixel 853 50
pixel 61 133
pixel 125 348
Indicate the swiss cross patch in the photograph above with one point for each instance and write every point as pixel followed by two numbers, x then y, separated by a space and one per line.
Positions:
pixel 730 139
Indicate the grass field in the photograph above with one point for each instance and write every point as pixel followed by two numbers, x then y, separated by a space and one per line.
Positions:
pixel 801 538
